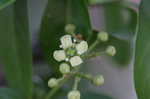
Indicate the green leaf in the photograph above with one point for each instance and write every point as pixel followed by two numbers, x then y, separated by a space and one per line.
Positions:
pixel 15 49
pixel 59 13
pixel 142 53
pixel 5 3
pixel 7 93
pixel 121 22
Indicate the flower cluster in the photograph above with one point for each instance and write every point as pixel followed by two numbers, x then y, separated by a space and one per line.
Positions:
pixel 72 50
pixel 70 55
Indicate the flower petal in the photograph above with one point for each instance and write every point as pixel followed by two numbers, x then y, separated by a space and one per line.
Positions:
pixel 59 55
pixel 82 47
pixel 75 61
pixel 66 41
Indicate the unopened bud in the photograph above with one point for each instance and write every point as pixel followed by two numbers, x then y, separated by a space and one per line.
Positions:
pixel 111 50
pixel 64 68
pixel 103 36
pixel 75 94
pixel 98 80
pixel 53 82
pixel 70 28
pixel 59 55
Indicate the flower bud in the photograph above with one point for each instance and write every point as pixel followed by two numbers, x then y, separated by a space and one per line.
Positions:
pixel 53 82
pixel 103 36
pixel 70 28
pixel 59 55
pixel 98 80
pixel 111 50
pixel 64 68
pixel 82 47
pixel 75 94
pixel 66 41
pixel 75 61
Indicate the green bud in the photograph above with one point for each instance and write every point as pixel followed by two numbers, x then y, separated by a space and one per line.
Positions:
pixel 103 36
pixel 53 82
pixel 75 94
pixel 111 50
pixel 98 80
pixel 70 28
pixel 64 68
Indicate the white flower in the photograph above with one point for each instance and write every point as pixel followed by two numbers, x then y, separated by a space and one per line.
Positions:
pixel 66 41
pixel 74 95
pixel 59 55
pixel 82 47
pixel 75 61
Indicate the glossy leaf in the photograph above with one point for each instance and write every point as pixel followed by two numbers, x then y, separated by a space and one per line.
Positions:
pixel 59 13
pixel 121 20
pixel 142 53
pixel 15 47
pixel 5 3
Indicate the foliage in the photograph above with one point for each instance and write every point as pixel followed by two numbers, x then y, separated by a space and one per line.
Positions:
pixel 142 53
pixel 15 49
pixel 124 23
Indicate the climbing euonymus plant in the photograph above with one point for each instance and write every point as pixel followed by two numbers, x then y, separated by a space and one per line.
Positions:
pixel 67 40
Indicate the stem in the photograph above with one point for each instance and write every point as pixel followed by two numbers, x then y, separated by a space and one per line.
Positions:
pixel 72 34
pixel 93 45
pixel 62 82
pixel 92 55
pixel 86 76
pixel 54 90
pixel 77 80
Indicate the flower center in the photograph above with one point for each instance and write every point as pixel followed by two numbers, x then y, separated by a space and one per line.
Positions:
pixel 70 51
